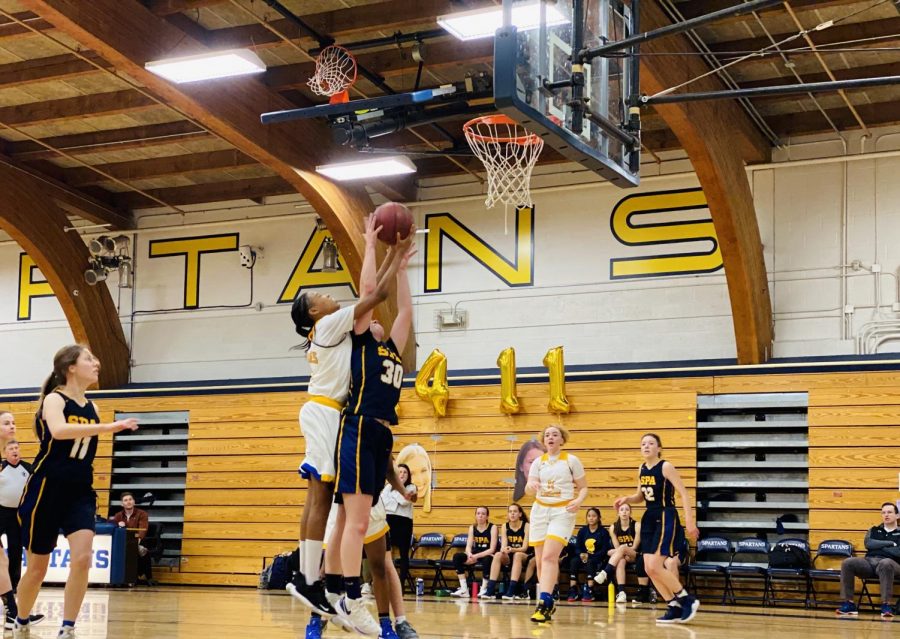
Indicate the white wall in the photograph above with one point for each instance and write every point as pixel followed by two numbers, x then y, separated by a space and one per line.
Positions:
pixel 572 301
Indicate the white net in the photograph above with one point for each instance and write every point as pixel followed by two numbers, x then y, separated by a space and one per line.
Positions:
pixel 335 71
pixel 509 153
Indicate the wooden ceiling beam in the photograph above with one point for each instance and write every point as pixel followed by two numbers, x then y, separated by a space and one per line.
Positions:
pixel 126 34
pixel 158 167
pixel 79 107
pixel 169 7
pixel 57 67
pixel 793 124
pixel 10 29
pixel 708 132
pixel 340 24
pixel 248 189
pixel 853 73
pixel 694 8
pixel 37 224
pixel 392 62
pixel 110 140
pixel 888 28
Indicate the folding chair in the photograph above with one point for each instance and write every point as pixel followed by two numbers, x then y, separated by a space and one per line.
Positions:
pixel 830 549
pixel 748 564
pixel 456 545
pixel 710 561
pixel 434 540
pixel 788 575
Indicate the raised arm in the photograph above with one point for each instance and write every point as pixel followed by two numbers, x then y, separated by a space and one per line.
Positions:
pixel 367 275
pixel 690 526
pixel 403 321
pixel 52 413
pixel 362 313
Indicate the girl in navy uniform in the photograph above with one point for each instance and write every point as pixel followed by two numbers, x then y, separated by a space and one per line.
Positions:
pixel 591 552
pixel 626 538
pixel 480 547
pixel 662 536
pixel 513 550
pixel 365 439
pixel 59 494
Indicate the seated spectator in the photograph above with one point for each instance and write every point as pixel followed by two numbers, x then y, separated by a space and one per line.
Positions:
pixel 513 550
pixel 591 550
pixel 137 521
pixel 626 540
pixel 480 547
pixel 881 560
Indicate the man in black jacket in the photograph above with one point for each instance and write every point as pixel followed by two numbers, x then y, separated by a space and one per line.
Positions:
pixel 882 560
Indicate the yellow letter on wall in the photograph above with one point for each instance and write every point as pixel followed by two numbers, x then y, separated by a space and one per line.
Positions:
pixel 306 276
pixel 29 288
pixel 192 248
pixel 660 234
pixel 517 273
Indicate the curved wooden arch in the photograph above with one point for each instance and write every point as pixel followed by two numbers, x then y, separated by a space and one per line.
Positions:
pixel 718 137
pixel 127 35
pixel 33 220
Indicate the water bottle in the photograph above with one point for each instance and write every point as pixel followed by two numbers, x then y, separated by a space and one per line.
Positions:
pixel 420 587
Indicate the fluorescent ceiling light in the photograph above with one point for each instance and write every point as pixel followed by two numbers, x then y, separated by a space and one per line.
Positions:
pixel 207 66
pixel 483 23
pixel 375 167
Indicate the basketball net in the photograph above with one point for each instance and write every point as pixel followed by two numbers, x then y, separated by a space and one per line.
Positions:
pixel 509 153
pixel 335 74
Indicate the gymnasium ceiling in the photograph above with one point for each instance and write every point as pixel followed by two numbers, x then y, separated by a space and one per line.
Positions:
pixel 63 107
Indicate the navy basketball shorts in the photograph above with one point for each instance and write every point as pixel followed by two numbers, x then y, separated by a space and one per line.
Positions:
pixel 661 532
pixel 362 455
pixel 49 506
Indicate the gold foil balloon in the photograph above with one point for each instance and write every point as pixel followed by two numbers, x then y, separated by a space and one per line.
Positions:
pixel 437 392
pixel 556 366
pixel 509 398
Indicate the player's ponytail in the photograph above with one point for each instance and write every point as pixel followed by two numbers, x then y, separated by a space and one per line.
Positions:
pixel 303 323
pixel 65 357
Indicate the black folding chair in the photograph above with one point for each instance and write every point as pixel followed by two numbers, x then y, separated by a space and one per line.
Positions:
pixel 828 550
pixel 433 540
pixel 789 575
pixel 748 564
pixel 711 558
pixel 446 561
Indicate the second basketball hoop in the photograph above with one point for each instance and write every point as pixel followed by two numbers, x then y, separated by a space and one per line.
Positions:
pixel 335 74
pixel 509 153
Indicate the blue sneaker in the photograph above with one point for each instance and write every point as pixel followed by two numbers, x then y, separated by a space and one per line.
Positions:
pixel 847 609
pixel 387 630
pixel 314 628
pixel 689 607
pixel 887 611
pixel 673 615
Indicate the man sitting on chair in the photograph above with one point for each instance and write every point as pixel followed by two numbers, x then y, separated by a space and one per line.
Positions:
pixel 882 560
pixel 138 521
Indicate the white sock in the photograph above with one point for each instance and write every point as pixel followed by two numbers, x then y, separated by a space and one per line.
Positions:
pixel 399 619
pixel 311 559
pixel 484 584
pixel 463 584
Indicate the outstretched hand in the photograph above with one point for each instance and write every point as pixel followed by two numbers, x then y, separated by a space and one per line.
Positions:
pixel 372 231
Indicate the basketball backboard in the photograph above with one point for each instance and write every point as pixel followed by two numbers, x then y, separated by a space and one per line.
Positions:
pixel 532 56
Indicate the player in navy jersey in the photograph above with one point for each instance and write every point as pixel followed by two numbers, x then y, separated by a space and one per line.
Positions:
pixel 662 536
pixel 365 439
pixel 59 494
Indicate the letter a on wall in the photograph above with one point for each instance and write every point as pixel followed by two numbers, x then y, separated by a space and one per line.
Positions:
pixel 305 275
pixel 635 221
pixel 519 272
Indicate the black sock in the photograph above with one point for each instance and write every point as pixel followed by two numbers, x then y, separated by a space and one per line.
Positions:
pixel 9 600
pixel 620 588
pixel 334 583
pixel 352 587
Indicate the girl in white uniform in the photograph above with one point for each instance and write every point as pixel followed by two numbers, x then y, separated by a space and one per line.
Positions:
pixel 326 328
pixel 559 484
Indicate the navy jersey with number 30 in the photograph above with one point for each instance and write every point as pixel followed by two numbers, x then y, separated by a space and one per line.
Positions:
pixel 376 375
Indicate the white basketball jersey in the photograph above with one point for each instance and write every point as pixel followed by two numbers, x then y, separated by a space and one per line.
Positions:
pixel 329 355
pixel 557 477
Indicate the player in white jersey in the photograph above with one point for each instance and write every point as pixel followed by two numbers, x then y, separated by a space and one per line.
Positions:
pixel 558 482
pixel 326 327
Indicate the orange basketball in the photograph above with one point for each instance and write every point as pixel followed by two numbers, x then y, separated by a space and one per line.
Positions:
pixel 393 218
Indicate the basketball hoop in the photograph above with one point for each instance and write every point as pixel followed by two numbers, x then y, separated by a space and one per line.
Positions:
pixel 335 73
pixel 509 153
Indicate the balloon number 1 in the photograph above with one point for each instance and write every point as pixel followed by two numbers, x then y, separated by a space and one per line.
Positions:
pixel 509 398
pixel 556 367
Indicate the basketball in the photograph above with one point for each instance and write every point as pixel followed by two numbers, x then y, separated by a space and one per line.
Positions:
pixel 393 218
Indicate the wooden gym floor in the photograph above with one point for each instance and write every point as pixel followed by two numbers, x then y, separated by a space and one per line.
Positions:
pixel 225 613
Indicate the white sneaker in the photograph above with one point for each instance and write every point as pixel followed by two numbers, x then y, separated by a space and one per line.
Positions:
pixel 601 577
pixel 66 632
pixel 460 592
pixel 366 589
pixel 20 631
pixel 339 622
pixel 621 597
pixel 361 620
pixel 509 597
